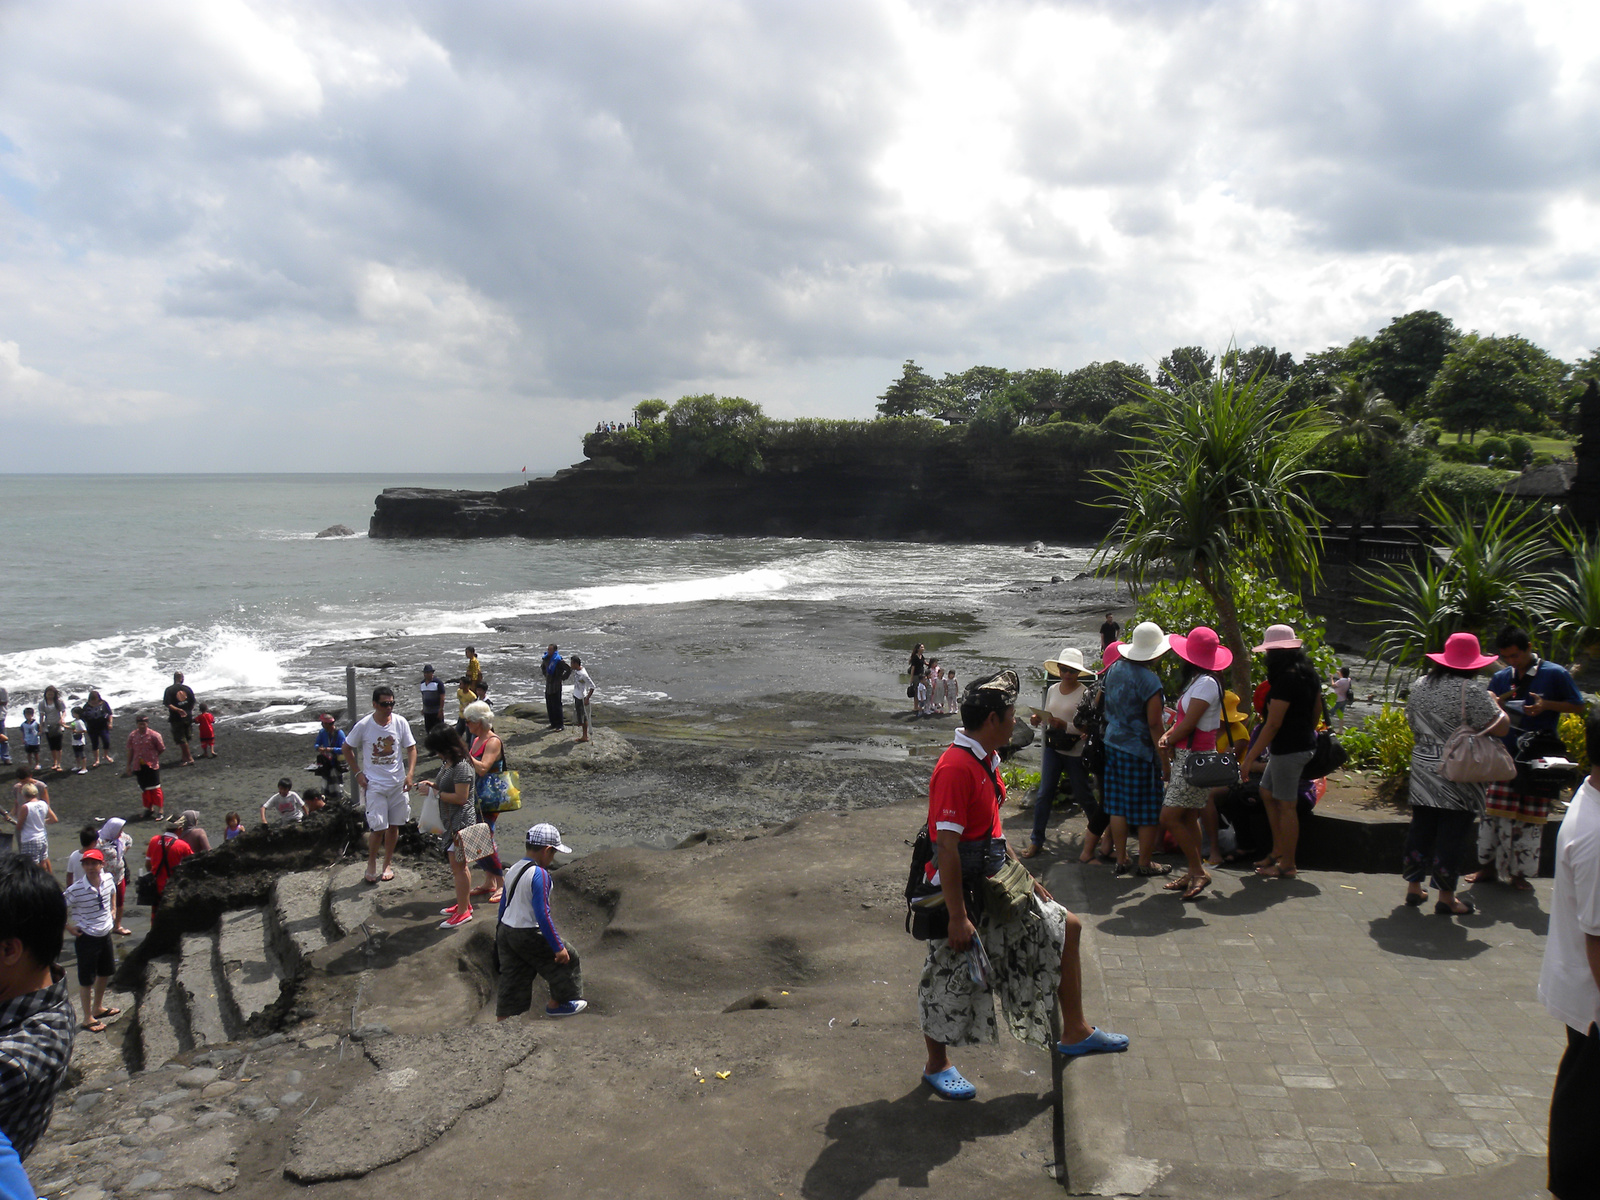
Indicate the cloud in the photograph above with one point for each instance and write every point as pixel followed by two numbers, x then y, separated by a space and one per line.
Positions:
pixel 32 399
pixel 534 208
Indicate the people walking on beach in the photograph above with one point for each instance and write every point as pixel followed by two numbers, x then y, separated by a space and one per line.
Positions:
pixel 382 753
pixel 5 741
pixel 1021 944
pixel 1449 696
pixel 35 1013
pixel 31 816
pixel 527 938
pixel 330 756
pixel 1063 748
pixel 163 854
pixel 1569 985
pixel 474 671
pixel 491 792
pixel 97 715
pixel 179 700
pixel 52 716
pixel 145 748
pixel 1535 693
pixel 30 738
pixel 91 907
pixel 1294 706
pixel 555 670
pixel 917 665
pixel 454 784
pixel 432 690
pixel 582 696
pixel 1135 775
pixel 1194 732
pixel 206 725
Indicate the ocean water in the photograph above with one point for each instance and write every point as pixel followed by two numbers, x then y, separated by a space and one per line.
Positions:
pixel 117 581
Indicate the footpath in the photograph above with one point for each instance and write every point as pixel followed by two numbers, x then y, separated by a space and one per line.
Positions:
pixel 753 1033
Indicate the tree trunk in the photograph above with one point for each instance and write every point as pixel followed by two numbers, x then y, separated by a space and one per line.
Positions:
pixel 1232 637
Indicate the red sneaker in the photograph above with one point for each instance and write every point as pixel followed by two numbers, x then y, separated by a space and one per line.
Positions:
pixel 461 918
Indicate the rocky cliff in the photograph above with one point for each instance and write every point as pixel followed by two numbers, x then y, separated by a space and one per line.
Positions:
pixel 981 499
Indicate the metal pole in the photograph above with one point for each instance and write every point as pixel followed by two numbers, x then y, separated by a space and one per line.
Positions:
pixel 349 696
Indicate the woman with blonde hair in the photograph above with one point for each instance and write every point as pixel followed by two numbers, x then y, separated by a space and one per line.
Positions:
pixel 488 759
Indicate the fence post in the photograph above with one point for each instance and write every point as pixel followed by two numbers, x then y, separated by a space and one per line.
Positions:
pixel 349 696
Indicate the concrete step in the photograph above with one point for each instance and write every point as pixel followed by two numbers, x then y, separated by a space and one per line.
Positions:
pixel 295 921
pixel 247 967
pixel 199 992
pixel 352 901
pixel 159 1014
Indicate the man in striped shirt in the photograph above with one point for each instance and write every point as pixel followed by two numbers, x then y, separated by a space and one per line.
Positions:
pixel 91 914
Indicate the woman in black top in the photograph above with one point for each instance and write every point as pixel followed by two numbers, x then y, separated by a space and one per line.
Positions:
pixel 97 720
pixel 918 665
pixel 1293 708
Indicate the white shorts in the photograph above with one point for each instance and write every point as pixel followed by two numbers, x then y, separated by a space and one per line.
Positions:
pixel 387 808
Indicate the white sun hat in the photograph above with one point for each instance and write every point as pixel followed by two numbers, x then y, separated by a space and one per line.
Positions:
pixel 1148 643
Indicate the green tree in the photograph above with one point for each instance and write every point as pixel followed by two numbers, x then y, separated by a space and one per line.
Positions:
pixel 1036 394
pixel 914 392
pixel 1185 367
pixel 961 394
pixel 1407 353
pixel 649 410
pixel 1506 384
pixel 1375 465
pixel 1215 483
pixel 1090 393
pixel 1259 360
pixel 717 431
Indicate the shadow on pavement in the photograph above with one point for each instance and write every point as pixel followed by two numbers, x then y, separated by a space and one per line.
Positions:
pixel 1500 903
pixel 1256 894
pixel 1154 914
pixel 1418 933
pixel 906 1139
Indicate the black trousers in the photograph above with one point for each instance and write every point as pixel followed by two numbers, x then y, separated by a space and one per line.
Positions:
pixel 1575 1117
pixel 1437 839
pixel 552 704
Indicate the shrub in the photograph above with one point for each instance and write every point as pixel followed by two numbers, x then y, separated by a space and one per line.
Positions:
pixel 1383 740
pixel 1126 419
pixel 1495 451
pixel 1464 487
pixel 1521 450
pixel 1541 459
pixel 1460 452
pixel 1570 727
pixel 1015 777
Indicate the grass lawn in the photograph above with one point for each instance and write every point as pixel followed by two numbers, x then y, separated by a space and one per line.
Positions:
pixel 1554 447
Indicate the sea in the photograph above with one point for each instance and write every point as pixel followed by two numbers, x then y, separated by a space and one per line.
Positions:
pixel 117 581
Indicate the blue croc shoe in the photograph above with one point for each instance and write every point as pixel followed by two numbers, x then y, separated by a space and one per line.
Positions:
pixel 950 1084
pixel 1098 1042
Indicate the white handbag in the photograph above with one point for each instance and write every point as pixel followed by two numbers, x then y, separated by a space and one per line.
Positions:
pixel 1472 756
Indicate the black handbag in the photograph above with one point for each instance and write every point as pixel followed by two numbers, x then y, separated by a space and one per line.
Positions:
pixel 1328 757
pixel 1060 741
pixel 926 915
pixel 145 891
pixel 1211 768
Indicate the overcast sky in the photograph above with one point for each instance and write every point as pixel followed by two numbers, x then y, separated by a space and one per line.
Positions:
pixel 404 236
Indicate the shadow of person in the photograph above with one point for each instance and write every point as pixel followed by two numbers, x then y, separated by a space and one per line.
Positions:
pixel 1157 913
pixel 1410 932
pixel 1514 908
pixel 1257 894
pixel 906 1139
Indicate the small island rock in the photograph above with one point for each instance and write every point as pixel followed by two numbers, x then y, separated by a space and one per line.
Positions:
pixel 337 531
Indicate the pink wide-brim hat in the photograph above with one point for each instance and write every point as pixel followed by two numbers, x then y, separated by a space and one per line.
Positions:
pixel 1110 654
pixel 1462 652
pixel 1202 648
pixel 1279 637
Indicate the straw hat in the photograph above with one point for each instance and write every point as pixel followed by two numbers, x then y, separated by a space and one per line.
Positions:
pixel 1462 652
pixel 1072 658
pixel 1147 644
pixel 1279 637
pixel 1201 648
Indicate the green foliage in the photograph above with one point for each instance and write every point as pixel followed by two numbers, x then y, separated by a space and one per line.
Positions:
pixel 1406 355
pixel 1575 596
pixel 650 410
pixel 1178 605
pixel 1092 392
pixel 1382 740
pixel 1500 383
pixel 1461 452
pixel 1214 483
pixel 1571 728
pixel 914 392
pixel 717 432
pixel 887 439
pixel 994 418
pixel 1374 465
pixel 1184 367
pixel 1064 440
pixel 1521 450
pixel 1126 419
pixel 1494 576
pixel 1541 459
pixel 1496 451
pixel 1015 776
pixel 1464 485
pixel 634 446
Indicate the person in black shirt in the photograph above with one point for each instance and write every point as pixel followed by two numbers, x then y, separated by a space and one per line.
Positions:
pixel 1109 631
pixel 432 699
pixel 179 700
pixel 1294 706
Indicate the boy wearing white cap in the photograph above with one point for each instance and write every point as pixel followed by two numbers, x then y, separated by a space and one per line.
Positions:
pixel 527 942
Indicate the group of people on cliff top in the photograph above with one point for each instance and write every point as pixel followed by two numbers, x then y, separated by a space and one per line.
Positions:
pixel 993 930
pixel 933 690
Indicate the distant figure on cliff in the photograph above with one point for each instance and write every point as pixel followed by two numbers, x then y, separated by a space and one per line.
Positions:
pixel 555 670
pixel 1012 943
pixel 1108 631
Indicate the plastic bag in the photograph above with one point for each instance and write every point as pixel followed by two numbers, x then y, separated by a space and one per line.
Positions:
pixel 430 821
pixel 513 800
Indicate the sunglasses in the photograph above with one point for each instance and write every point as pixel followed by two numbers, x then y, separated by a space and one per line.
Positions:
pixel 383 704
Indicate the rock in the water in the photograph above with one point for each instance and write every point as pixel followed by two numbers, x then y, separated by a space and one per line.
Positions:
pixel 337 531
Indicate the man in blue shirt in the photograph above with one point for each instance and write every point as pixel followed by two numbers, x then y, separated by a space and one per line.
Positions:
pixel 1535 693
pixel 330 757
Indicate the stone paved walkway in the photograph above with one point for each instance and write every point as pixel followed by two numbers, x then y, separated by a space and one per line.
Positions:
pixel 1319 1026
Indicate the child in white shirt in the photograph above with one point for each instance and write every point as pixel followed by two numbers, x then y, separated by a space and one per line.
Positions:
pixel 286 804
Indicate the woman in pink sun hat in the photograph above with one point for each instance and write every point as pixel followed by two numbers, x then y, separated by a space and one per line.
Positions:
pixel 1443 811
pixel 1199 710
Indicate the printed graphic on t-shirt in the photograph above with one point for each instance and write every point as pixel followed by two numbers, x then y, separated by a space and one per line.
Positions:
pixel 383 751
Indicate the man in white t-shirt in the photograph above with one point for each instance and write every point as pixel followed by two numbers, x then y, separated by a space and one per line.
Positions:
pixel 1569 985
pixel 582 695
pixel 383 755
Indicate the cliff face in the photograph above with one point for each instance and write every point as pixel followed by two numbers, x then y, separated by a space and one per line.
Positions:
pixel 980 500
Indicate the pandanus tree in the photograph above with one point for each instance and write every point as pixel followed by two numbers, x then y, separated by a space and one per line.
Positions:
pixel 1214 482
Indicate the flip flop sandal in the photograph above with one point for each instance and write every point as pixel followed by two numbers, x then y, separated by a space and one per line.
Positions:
pixel 1195 892
pixel 1181 883
pixel 93 1027
pixel 388 874
pixel 1444 910
pixel 1124 867
pixel 108 1012
pixel 1416 899
pixel 1520 884
pixel 1155 869
pixel 370 878
pixel 1031 852
pixel 1098 1042
pixel 950 1084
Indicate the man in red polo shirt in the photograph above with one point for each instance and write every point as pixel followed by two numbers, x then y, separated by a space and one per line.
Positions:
pixel 1029 956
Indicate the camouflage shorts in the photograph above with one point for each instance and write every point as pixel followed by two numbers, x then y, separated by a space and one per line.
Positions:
pixel 1025 972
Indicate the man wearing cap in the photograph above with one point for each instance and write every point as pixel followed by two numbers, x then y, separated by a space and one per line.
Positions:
pixel 527 941
pixel 432 699
pixel 91 913
pixel 144 759
pixel 330 756
pixel 1027 957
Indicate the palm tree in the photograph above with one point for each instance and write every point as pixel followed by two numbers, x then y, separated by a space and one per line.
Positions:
pixel 1215 481
pixel 1363 415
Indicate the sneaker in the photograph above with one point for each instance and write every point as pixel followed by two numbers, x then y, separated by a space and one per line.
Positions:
pixel 82 771
pixel 570 1009
pixel 449 912
pixel 458 919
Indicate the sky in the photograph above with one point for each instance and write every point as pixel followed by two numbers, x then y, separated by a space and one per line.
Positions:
pixel 452 236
